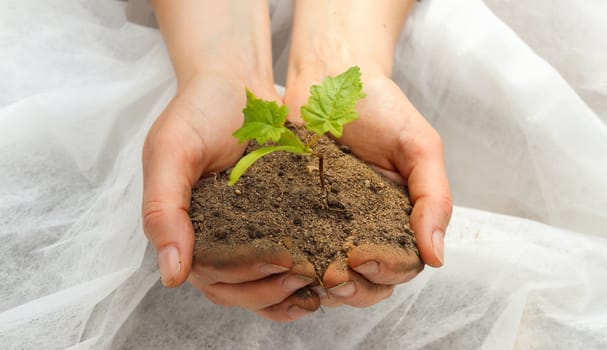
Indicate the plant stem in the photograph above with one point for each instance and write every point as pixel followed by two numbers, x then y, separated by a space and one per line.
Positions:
pixel 313 141
pixel 321 171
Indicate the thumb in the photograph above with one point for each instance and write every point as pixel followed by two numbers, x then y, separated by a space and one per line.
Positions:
pixel 169 173
pixel 429 189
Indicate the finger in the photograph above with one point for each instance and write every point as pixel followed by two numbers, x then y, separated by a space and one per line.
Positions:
pixel 393 176
pixel 253 295
pixel 345 286
pixel 296 306
pixel 384 264
pixel 260 294
pixel 171 165
pixel 240 264
pixel 420 160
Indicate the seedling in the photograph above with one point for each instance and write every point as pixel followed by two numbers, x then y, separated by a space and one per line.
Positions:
pixel 330 106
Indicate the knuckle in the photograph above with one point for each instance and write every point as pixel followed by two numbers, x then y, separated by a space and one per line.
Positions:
pixel 273 314
pixel 149 142
pixel 373 295
pixel 447 203
pixel 145 150
pixel 388 292
pixel 177 138
pixel 167 141
pixel 442 202
pixel 153 213
pixel 203 274
pixel 388 279
pixel 167 144
pixel 422 145
pixel 158 138
pixel 216 299
pixel 408 276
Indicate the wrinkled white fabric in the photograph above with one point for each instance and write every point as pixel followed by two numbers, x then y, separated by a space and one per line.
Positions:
pixel 517 89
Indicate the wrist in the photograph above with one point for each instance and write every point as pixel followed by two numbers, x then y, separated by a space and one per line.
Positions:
pixel 243 59
pixel 319 52
pixel 217 38
pixel 312 66
pixel 315 65
pixel 331 36
pixel 243 70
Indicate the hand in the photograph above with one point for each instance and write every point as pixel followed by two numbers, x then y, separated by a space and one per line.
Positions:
pixel 192 137
pixel 392 136
pixel 217 48
pixel 329 37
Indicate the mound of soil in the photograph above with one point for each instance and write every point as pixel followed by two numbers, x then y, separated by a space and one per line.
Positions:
pixel 279 203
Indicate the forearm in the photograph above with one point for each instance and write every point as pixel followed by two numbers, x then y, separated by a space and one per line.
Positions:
pixel 230 38
pixel 329 36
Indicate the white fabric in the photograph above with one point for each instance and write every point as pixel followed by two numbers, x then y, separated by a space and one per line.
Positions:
pixel 518 90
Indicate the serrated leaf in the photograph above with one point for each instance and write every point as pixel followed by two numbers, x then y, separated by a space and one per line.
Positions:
pixel 332 104
pixel 245 162
pixel 263 121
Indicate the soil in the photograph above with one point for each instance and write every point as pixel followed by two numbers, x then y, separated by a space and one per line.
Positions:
pixel 279 202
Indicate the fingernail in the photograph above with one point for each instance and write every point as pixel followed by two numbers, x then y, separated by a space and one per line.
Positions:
pixel 293 283
pixel 368 268
pixel 295 312
pixel 320 291
pixel 438 244
pixel 271 269
pixel 344 290
pixel 170 264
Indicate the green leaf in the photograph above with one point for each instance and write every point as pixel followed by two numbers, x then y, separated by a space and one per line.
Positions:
pixel 333 103
pixel 288 138
pixel 245 162
pixel 263 121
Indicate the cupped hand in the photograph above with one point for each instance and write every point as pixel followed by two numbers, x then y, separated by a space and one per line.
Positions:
pixel 193 137
pixel 394 137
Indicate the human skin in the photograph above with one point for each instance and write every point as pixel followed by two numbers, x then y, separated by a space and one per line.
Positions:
pixel 328 37
pixel 217 48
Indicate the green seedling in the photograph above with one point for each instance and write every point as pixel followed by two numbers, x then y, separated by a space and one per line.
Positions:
pixel 330 106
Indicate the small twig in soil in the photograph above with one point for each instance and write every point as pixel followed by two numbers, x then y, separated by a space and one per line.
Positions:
pixel 321 171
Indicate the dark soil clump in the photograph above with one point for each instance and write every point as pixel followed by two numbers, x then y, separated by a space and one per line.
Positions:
pixel 279 202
